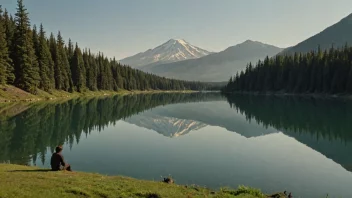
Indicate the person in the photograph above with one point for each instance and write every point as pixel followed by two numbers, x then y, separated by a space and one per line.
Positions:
pixel 57 161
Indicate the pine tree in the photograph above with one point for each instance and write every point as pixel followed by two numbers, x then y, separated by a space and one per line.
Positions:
pixel 35 39
pixel 55 56
pixel 93 72
pixel 90 67
pixel 78 70
pixel 100 72
pixel 26 65
pixel 45 62
pixel 70 50
pixel 4 54
pixel 64 65
pixel 9 26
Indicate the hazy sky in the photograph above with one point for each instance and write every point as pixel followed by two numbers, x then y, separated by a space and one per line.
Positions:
pixel 122 28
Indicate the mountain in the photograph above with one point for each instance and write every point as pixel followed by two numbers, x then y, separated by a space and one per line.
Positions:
pixel 172 51
pixel 218 66
pixel 338 35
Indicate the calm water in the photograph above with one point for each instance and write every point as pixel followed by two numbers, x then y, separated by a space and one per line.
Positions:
pixel 300 145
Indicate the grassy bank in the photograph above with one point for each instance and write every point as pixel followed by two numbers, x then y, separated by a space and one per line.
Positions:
pixel 13 94
pixel 24 181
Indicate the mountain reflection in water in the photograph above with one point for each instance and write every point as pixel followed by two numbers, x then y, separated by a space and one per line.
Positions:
pixel 196 144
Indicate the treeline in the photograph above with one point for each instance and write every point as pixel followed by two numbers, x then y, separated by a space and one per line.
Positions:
pixel 322 72
pixel 27 133
pixel 30 61
pixel 321 118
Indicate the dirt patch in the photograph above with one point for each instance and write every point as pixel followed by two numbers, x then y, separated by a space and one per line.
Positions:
pixel 10 93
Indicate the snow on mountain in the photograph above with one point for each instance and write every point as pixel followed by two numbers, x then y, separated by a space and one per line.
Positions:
pixel 172 51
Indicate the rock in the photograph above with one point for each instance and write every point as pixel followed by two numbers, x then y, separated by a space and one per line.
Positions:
pixel 168 180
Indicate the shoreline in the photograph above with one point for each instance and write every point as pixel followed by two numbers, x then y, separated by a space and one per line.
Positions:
pixel 303 95
pixel 11 94
pixel 29 181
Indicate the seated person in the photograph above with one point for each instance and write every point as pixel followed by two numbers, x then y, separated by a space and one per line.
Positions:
pixel 58 162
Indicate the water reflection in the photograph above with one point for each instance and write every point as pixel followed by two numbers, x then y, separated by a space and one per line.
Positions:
pixel 322 124
pixel 27 130
pixel 272 143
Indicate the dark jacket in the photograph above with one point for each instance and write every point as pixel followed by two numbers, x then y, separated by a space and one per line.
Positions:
pixel 57 162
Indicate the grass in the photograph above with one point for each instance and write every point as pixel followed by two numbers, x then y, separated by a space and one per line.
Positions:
pixel 10 93
pixel 24 181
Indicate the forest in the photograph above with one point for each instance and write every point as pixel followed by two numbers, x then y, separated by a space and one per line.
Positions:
pixel 316 72
pixel 27 132
pixel 31 60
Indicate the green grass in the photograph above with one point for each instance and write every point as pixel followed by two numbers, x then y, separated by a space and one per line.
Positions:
pixel 24 181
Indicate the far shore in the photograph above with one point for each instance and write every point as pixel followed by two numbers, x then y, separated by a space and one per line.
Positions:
pixel 304 95
pixel 11 94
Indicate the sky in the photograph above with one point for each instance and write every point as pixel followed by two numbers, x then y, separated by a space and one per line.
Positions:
pixel 121 28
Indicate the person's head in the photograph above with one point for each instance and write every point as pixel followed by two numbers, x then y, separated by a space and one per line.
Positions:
pixel 58 149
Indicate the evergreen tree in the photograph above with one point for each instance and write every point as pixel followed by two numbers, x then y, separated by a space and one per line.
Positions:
pixel 91 73
pixel 35 39
pixel 55 56
pixel 70 50
pixel 9 26
pixel 26 65
pixel 45 62
pixel 6 69
pixel 78 70
pixel 64 65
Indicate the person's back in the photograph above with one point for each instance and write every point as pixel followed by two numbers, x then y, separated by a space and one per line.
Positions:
pixel 57 161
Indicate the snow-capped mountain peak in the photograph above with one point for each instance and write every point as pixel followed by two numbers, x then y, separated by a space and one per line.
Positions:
pixel 171 51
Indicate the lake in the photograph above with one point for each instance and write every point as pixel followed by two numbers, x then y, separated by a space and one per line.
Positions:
pixel 302 145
